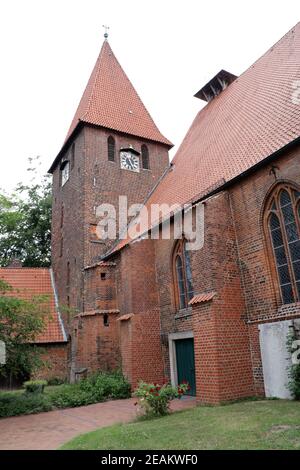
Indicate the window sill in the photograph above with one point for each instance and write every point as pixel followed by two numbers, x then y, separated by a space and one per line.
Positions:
pixel 287 308
pixel 184 312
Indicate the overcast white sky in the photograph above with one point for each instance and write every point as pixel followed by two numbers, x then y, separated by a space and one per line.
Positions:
pixel 168 48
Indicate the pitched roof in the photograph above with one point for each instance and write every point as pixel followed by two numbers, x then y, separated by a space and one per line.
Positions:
pixel 203 297
pixel 30 282
pixel 111 101
pixel 249 121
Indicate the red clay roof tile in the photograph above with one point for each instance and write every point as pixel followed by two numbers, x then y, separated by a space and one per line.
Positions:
pixel 125 317
pixel 249 121
pixel 204 297
pixel 30 282
pixel 111 101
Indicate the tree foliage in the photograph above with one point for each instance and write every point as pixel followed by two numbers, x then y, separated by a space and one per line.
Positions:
pixel 20 323
pixel 25 221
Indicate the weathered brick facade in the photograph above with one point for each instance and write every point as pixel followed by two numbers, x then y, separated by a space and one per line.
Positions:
pixel 125 301
pixel 93 180
pixel 55 357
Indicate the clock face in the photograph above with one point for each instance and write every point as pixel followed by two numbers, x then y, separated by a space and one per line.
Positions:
pixel 129 161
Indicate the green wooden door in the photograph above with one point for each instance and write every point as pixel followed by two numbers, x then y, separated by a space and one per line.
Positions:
pixel 186 363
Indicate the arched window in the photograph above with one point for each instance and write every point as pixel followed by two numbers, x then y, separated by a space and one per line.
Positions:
pixel 145 157
pixel 282 220
pixel 182 275
pixel 111 148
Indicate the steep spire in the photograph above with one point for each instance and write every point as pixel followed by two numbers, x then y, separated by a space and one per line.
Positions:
pixel 111 101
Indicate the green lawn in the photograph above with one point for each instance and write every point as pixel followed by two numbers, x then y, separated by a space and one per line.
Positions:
pixel 268 424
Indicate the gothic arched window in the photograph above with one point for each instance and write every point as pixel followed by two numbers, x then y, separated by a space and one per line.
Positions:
pixel 111 148
pixel 145 157
pixel 283 226
pixel 182 275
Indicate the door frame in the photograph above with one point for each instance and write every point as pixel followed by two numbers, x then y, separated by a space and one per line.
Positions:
pixel 172 353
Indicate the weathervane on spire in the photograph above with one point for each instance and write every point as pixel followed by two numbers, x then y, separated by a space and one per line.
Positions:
pixel 106 30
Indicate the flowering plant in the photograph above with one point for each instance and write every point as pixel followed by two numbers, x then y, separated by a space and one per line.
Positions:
pixel 154 399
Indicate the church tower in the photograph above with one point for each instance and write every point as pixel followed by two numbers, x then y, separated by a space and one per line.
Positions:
pixel 113 148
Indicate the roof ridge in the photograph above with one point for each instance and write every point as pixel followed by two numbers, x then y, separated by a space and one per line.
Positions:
pixel 271 49
pixel 137 93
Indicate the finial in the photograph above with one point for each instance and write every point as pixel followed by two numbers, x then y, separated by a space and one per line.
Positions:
pixel 106 30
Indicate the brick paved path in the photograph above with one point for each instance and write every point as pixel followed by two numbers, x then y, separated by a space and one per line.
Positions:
pixel 50 430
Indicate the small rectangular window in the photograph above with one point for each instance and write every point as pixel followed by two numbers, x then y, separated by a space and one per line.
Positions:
pixel 65 173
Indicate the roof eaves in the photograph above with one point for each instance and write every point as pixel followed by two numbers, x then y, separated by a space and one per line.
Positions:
pixel 76 129
pixel 79 126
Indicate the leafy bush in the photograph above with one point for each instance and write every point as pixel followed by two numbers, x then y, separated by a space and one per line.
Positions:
pixel 56 381
pixel 294 369
pixel 106 385
pixel 94 389
pixel 12 404
pixel 294 384
pixel 35 386
pixel 71 396
pixel 155 399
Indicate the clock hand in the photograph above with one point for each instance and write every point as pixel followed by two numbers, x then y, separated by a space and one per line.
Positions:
pixel 129 162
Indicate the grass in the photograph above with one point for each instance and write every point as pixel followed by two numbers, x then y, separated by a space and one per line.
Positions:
pixel 265 424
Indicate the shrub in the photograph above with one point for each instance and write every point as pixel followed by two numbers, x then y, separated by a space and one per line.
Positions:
pixel 12 404
pixel 155 399
pixel 94 389
pixel 35 386
pixel 56 381
pixel 106 385
pixel 294 369
pixel 71 396
pixel 294 384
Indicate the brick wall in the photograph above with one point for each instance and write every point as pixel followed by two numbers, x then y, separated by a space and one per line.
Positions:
pixel 261 289
pixel 100 288
pixel 93 180
pixel 233 263
pixel 56 362
pixel 68 229
pixel 105 180
pixel 97 345
pixel 138 297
